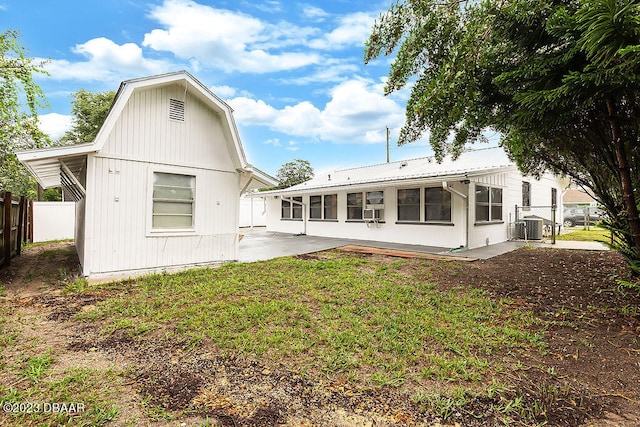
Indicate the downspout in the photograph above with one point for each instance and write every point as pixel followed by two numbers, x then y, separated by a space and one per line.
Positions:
pixel 446 187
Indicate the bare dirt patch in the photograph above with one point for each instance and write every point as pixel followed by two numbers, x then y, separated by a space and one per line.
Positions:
pixel 590 374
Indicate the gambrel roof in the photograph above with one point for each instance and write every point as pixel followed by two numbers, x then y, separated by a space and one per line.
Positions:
pixel 49 165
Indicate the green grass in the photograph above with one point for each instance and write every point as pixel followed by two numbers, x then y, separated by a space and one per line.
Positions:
pixel 32 378
pixel 48 242
pixel 378 325
pixel 594 234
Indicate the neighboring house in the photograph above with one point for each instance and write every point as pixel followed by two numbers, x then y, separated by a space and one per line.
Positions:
pixel 574 198
pixel 159 188
pixel 470 202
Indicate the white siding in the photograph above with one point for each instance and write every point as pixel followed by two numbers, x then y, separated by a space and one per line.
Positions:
pixel 144 132
pixel 448 236
pixel 418 234
pixel 144 140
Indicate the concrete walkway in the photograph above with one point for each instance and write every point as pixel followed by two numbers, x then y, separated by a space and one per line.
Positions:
pixel 259 244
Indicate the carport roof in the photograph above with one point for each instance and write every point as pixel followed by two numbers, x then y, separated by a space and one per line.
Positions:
pixel 46 163
pixel 470 163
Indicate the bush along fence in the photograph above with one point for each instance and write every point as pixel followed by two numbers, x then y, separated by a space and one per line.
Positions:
pixel 16 215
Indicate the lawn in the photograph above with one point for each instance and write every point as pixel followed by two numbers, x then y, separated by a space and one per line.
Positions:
pixel 378 324
pixel 593 234
pixel 331 338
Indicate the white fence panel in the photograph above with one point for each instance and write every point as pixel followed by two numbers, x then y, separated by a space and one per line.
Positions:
pixel 53 221
pixel 253 212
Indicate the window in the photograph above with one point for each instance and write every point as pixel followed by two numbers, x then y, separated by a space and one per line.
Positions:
pixel 526 194
pixel 315 207
pixel 331 206
pixel 291 207
pixel 488 204
pixel 354 206
pixel 437 204
pixel 375 201
pixel 430 205
pixel 409 204
pixel 323 207
pixel 173 199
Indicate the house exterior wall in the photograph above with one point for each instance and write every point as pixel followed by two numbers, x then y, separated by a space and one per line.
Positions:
pixel 119 236
pixel 462 231
pixel 443 235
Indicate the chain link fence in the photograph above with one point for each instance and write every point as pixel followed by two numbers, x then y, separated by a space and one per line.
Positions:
pixel 535 223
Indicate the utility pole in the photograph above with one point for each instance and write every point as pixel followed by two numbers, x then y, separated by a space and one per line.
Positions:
pixel 387 144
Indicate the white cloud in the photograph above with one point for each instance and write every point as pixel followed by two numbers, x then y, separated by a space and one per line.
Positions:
pixel 353 30
pixel 356 113
pixel 55 125
pixel 227 40
pixel 334 71
pixel 107 61
pixel 275 142
pixel 224 91
pixel 314 13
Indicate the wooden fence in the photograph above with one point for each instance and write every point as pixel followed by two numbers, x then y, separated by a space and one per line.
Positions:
pixel 16 215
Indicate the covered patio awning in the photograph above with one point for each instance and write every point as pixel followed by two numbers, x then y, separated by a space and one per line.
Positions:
pixel 59 167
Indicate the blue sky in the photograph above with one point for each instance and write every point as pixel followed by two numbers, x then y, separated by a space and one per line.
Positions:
pixel 292 71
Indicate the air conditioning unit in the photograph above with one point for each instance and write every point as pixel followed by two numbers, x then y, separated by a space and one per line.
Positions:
pixel 530 228
pixel 369 214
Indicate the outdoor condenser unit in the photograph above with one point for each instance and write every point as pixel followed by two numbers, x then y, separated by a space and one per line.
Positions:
pixel 534 228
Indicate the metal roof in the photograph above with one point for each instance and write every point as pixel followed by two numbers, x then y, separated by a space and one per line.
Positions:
pixel 470 163
pixel 45 163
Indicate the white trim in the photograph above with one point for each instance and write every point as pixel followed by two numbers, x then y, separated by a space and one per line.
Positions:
pixel 165 232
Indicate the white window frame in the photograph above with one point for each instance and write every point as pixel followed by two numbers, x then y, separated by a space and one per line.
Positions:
pixel 490 204
pixel 352 206
pixel 423 207
pixel 323 207
pixel 441 203
pixel 419 203
pixel 378 208
pixel 294 202
pixel 174 231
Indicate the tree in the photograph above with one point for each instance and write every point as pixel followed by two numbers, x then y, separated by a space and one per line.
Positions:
pixel 18 128
pixel 294 172
pixel 558 79
pixel 89 110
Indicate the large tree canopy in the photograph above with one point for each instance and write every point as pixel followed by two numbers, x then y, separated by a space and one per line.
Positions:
pixel 558 79
pixel 20 98
pixel 294 172
pixel 89 110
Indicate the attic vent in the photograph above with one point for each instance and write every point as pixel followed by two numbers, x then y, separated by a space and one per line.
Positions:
pixel 176 110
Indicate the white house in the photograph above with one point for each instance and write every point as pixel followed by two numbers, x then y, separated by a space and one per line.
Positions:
pixel 159 188
pixel 467 203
